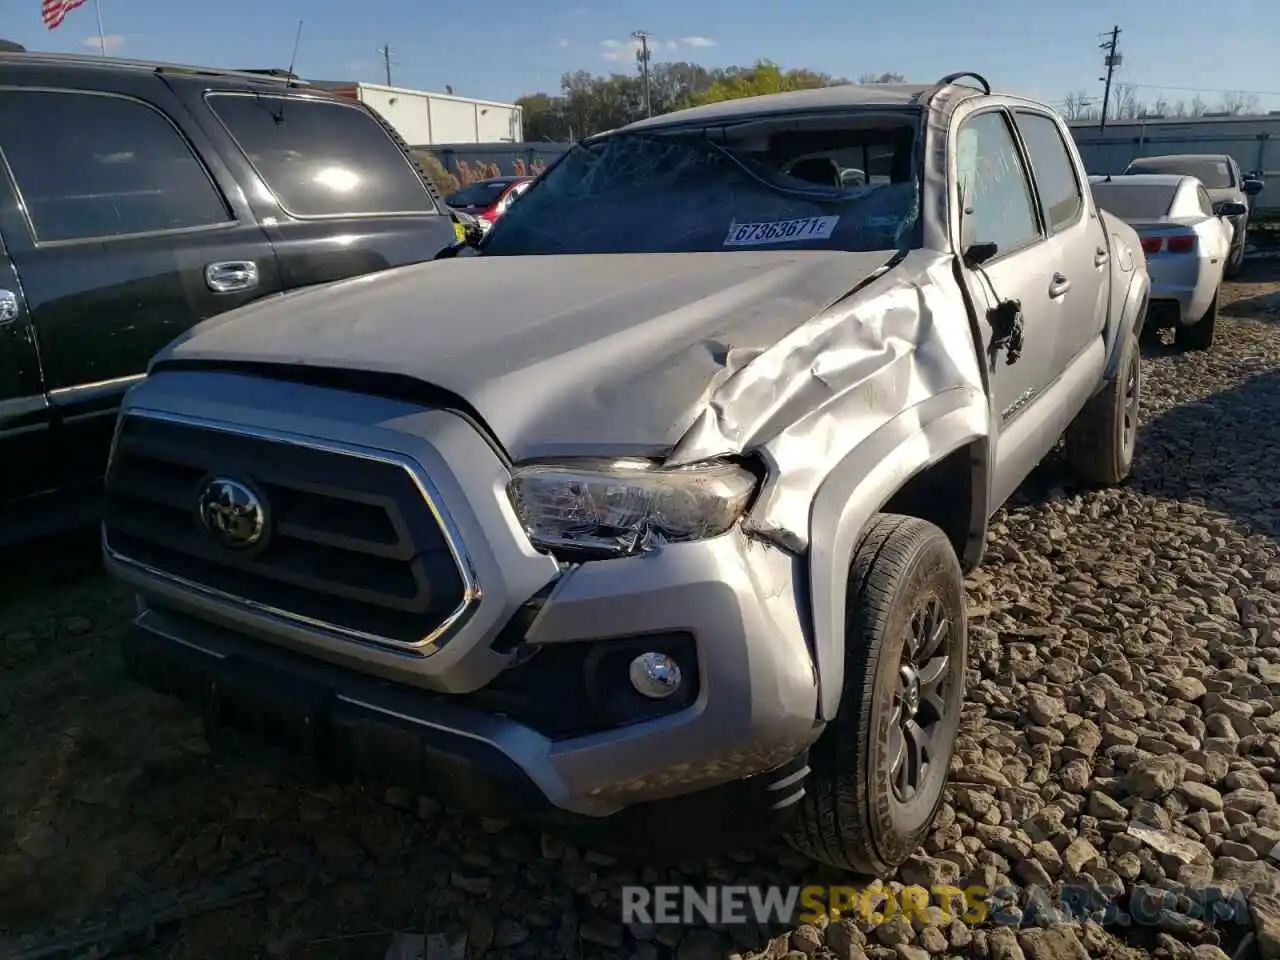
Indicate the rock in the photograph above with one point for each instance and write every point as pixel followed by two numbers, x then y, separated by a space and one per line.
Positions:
pixel 807 939
pixel 1153 777
pixel 1056 943
pixel 1265 908
pixel 933 942
pixel 1078 855
pixel 1180 848
pixel 1044 710
pixel 1003 945
pixel 1201 796
pixel 845 939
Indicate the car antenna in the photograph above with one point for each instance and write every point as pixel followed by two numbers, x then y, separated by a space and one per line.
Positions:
pixel 297 40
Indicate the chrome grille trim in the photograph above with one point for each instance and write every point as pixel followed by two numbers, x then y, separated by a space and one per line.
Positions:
pixel 423 647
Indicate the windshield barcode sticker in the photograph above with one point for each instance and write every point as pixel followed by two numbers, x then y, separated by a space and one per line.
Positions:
pixel 780 231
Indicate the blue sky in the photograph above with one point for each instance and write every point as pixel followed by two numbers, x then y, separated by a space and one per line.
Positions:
pixel 502 49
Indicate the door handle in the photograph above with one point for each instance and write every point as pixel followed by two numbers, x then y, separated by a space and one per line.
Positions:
pixel 231 276
pixel 1059 286
pixel 8 306
pixel 1101 257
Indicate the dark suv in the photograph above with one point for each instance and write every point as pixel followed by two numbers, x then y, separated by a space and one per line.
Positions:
pixel 137 199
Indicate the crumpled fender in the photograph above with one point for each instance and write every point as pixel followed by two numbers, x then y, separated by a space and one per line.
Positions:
pixel 844 410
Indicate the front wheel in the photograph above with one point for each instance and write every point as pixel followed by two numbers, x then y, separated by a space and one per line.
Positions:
pixel 880 767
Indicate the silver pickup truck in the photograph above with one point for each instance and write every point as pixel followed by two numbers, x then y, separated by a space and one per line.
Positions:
pixel 656 503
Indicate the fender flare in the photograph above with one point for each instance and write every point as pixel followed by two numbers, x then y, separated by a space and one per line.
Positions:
pixel 1132 315
pixel 859 486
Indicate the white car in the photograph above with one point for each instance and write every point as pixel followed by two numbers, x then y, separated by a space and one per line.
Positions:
pixel 1186 243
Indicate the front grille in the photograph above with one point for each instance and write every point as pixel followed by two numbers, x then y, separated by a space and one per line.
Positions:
pixel 353 544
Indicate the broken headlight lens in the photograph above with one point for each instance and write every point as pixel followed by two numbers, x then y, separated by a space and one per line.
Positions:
pixel 617 507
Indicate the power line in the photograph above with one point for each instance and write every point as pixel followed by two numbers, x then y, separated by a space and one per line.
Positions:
pixel 1162 86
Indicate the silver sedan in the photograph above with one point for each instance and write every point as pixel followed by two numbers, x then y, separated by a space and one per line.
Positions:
pixel 1186 243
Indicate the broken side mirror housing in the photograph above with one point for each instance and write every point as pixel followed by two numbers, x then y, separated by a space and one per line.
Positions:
pixel 976 254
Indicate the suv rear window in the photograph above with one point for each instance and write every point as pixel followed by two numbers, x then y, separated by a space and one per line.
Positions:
pixel 322 159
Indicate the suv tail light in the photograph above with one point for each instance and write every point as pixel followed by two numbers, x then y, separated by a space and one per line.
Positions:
pixel 1177 243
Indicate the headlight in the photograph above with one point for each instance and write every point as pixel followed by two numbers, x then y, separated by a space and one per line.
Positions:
pixel 613 507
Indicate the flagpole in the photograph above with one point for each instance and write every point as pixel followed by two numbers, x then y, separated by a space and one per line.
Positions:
pixel 102 38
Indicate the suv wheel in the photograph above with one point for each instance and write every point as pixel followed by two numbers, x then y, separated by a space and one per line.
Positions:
pixel 1101 439
pixel 1199 336
pixel 880 768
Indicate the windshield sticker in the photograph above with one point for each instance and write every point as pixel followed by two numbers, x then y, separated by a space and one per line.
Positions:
pixel 780 231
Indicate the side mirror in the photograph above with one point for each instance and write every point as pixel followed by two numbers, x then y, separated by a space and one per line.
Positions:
pixel 979 253
pixel 1251 186
pixel 1231 208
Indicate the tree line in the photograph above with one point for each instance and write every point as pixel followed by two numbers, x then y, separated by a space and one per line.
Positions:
pixel 1126 104
pixel 588 103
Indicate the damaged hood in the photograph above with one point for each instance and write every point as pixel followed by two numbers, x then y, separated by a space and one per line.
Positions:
pixel 613 355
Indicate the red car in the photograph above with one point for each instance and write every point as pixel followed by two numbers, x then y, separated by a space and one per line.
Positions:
pixel 488 199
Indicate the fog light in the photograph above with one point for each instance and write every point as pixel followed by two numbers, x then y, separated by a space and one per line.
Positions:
pixel 655 675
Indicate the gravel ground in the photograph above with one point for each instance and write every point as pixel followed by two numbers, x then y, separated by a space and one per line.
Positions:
pixel 1122 733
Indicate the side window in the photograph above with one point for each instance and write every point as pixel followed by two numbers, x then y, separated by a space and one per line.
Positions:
pixel 1206 205
pixel 91 166
pixel 1054 172
pixel 322 159
pixel 995 194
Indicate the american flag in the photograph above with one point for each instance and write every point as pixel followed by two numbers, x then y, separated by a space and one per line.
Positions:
pixel 55 11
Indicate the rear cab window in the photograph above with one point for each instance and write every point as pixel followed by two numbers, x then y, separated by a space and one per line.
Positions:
pixel 321 158
pixel 1055 174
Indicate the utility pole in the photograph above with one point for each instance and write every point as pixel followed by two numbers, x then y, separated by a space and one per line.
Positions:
pixel 1111 61
pixel 642 55
pixel 385 50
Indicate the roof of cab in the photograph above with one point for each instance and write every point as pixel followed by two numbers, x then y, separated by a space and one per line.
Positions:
pixel 889 95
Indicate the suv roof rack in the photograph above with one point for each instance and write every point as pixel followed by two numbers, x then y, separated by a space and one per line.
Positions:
pixel 951 78
pixel 93 60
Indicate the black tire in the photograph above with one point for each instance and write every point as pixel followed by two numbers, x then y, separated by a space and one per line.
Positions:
pixel 1235 263
pixel 1199 336
pixel 852 817
pixel 1101 439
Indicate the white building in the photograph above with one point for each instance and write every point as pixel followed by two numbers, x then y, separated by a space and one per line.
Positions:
pixel 423 119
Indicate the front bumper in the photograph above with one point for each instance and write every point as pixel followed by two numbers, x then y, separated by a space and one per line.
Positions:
pixel 533 677
pixel 340 723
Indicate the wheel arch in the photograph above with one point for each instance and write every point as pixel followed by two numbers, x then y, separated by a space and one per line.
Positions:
pixel 942 446
pixel 1132 317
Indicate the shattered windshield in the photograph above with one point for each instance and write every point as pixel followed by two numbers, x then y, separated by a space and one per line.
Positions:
pixel 636 193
